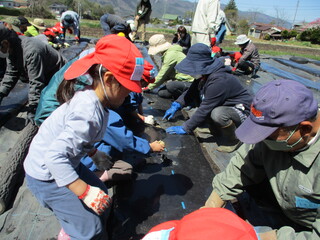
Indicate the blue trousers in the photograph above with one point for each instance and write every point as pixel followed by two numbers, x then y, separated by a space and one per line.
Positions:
pixel 77 220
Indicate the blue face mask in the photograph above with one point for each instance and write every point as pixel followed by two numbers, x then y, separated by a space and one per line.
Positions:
pixel 282 145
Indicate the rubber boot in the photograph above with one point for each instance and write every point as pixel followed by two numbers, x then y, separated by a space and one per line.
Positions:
pixel 229 140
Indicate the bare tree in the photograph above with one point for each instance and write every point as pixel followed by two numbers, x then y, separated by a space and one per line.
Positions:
pixel 281 17
pixel 253 15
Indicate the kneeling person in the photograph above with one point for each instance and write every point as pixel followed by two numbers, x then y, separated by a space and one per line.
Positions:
pixel 218 94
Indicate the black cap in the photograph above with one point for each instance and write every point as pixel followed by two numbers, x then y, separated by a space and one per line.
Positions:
pixel 23 21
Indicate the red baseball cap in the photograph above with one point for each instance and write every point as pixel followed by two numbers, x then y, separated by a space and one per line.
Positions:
pixel 149 72
pixel 204 224
pixel 117 54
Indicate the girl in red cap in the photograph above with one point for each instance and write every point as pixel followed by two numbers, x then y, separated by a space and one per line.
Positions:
pixel 54 173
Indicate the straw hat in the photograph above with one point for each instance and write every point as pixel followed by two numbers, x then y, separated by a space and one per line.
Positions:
pixel 38 23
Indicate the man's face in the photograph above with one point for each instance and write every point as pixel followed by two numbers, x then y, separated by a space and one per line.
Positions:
pixel 283 134
pixel 23 28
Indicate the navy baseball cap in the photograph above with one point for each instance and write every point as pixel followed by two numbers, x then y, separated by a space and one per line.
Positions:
pixel 279 103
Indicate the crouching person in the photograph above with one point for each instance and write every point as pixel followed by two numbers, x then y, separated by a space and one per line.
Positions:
pixel 277 170
pixel 219 95
pixel 54 173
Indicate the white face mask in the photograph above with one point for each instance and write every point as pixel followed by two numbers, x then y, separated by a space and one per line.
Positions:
pixel 4 55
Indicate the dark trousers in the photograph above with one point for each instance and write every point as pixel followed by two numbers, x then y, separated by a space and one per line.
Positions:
pixel 173 89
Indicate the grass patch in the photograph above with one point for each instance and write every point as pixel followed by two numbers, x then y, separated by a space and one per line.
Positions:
pixel 275 53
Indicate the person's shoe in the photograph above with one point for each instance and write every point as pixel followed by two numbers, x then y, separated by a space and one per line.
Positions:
pixel 229 142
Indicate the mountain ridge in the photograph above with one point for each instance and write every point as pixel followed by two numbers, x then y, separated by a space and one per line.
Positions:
pixel 126 9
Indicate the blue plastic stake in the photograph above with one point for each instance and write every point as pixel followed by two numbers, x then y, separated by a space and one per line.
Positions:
pixel 183 206
pixel 172 172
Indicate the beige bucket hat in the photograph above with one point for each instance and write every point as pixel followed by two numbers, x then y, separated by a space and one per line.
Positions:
pixel 158 44
pixel 38 23
pixel 14 23
pixel 242 39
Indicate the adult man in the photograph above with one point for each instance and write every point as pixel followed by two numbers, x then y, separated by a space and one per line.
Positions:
pixel 18 24
pixel 221 98
pixel 34 29
pixel 27 57
pixel 206 21
pixel 113 24
pixel 284 126
pixel 249 61
pixel 70 19
pixel 142 17
pixel 171 55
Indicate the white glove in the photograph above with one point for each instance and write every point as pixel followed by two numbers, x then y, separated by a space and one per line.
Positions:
pixel 96 199
pixel 149 120
pixel 227 62
pixel 101 160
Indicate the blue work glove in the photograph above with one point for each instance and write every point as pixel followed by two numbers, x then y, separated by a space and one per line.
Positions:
pixel 176 130
pixel 175 106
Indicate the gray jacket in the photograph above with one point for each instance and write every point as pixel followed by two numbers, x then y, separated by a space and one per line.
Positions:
pixel 250 53
pixel 294 179
pixel 34 60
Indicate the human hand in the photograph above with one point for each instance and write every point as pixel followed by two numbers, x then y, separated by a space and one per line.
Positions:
pixel 157 146
pixel 30 118
pixel 214 201
pixel 176 130
pixel 271 235
pixel 149 120
pixel 96 199
pixel 137 18
pixel 175 106
pixel 101 160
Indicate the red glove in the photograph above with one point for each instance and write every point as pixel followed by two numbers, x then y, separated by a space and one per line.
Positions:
pixel 145 89
pixel 215 49
pixel 213 41
pixel 76 38
pixel 96 199
pixel 234 69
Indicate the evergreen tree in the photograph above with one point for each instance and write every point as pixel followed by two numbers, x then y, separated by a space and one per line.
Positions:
pixel 231 12
pixel 231 6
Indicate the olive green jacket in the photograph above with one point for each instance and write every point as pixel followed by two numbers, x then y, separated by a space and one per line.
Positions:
pixel 294 179
pixel 170 59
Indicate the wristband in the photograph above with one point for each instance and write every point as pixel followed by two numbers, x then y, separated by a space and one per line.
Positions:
pixel 85 192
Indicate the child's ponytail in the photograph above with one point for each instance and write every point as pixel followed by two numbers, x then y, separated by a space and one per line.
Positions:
pixel 65 91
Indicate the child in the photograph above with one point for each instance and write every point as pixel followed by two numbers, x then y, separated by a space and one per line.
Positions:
pixel 53 170
pixel 131 110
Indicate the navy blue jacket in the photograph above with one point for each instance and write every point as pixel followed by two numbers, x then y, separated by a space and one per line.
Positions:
pixel 220 89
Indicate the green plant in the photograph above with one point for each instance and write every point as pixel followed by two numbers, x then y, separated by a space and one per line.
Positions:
pixel 267 37
pixel 10 11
